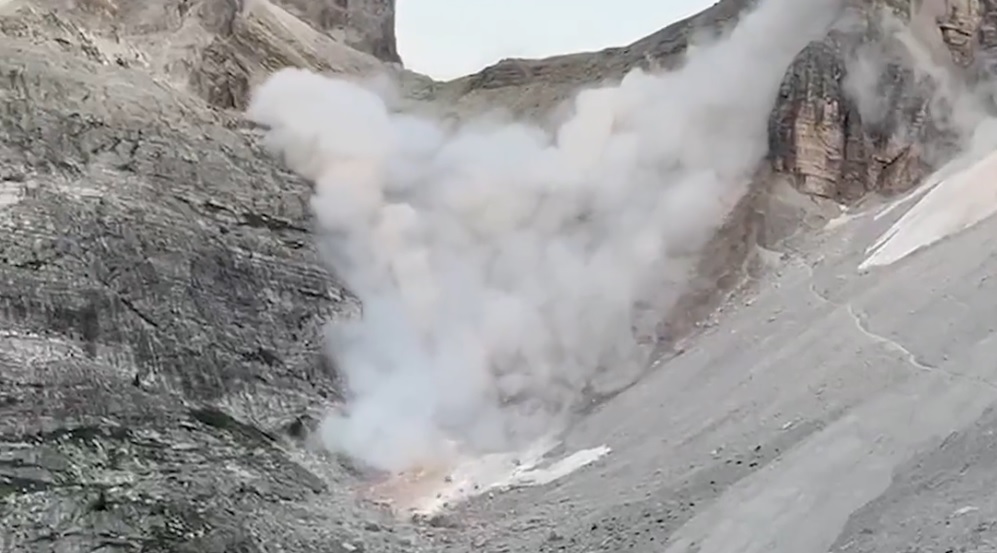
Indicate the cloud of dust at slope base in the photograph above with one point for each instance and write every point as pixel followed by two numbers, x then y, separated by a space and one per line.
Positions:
pixel 499 267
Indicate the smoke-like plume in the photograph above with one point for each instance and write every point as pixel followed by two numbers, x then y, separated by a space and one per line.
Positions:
pixel 499 266
pixel 961 109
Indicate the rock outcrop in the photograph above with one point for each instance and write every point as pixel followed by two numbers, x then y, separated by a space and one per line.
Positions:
pixel 842 131
pixel 218 49
pixel 161 302
pixel 367 25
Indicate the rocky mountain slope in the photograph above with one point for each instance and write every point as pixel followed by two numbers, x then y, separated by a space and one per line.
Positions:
pixel 162 300
pixel 832 137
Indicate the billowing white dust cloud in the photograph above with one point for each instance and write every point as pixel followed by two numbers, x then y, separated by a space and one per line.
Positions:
pixel 499 266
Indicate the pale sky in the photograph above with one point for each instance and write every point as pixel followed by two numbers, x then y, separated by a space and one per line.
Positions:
pixel 450 38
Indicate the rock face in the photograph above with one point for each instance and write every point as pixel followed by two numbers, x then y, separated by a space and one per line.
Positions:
pixel 832 145
pixel 243 45
pixel 367 25
pixel 161 302
pixel 161 308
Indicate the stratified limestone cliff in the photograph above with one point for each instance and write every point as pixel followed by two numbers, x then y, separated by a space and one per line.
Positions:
pixel 218 49
pixel 842 131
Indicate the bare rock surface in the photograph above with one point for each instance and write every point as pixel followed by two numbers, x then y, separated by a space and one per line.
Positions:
pixel 217 49
pixel 366 25
pixel 162 307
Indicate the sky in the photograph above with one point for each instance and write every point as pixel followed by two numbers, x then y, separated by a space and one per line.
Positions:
pixel 449 38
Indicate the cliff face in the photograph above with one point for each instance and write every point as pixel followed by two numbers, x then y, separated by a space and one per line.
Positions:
pixel 841 130
pixel 367 25
pixel 161 302
pixel 220 49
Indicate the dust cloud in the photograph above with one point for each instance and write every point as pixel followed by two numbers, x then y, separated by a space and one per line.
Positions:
pixel 963 127
pixel 499 266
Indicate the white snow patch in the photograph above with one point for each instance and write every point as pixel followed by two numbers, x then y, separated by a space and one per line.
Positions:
pixel 542 476
pixel 429 490
pixel 953 205
pixel 844 217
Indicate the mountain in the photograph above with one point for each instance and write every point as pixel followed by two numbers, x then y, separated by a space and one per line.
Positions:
pixel 826 141
pixel 163 297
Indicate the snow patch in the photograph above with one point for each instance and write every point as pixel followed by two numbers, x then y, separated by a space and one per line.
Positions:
pixel 843 218
pixel 429 490
pixel 10 193
pixel 953 205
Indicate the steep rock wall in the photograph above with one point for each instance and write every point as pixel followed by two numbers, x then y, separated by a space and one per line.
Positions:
pixel 367 25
